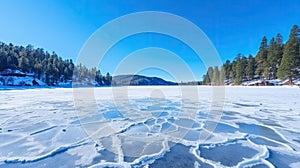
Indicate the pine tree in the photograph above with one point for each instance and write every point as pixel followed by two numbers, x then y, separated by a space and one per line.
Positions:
pixel 274 56
pixel 24 64
pixel 38 70
pixel 240 68
pixel 222 76
pixel 70 69
pixel 98 77
pixel 216 76
pixel 261 57
pixel 108 79
pixel 289 66
pixel 12 61
pixel 205 79
pixel 250 68
pixel 208 77
pixel 233 71
pixel 227 69
pixel 3 61
pixel 210 73
pixel 270 57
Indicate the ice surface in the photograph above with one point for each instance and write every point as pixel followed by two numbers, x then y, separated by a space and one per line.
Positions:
pixel 136 127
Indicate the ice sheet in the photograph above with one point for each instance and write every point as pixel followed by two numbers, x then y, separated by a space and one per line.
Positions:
pixel 135 126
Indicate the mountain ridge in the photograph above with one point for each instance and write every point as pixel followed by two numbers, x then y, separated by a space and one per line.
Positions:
pixel 139 80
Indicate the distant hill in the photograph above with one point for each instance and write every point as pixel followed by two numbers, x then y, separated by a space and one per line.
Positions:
pixel 126 80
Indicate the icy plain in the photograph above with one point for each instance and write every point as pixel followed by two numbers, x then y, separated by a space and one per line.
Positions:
pixel 155 126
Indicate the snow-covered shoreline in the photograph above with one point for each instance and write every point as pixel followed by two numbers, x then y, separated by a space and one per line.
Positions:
pixel 70 86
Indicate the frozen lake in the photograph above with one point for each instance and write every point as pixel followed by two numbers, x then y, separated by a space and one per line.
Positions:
pixel 157 126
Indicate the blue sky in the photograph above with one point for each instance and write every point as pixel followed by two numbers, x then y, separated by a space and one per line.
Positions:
pixel 64 26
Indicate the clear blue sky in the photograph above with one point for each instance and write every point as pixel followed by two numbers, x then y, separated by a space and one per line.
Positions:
pixel 64 26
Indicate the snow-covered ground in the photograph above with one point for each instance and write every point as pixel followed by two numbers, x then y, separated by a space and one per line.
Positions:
pixel 19 81
pixel 162 126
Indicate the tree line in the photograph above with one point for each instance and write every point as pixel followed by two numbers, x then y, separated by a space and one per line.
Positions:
pixel 273 60
pixel 49 68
